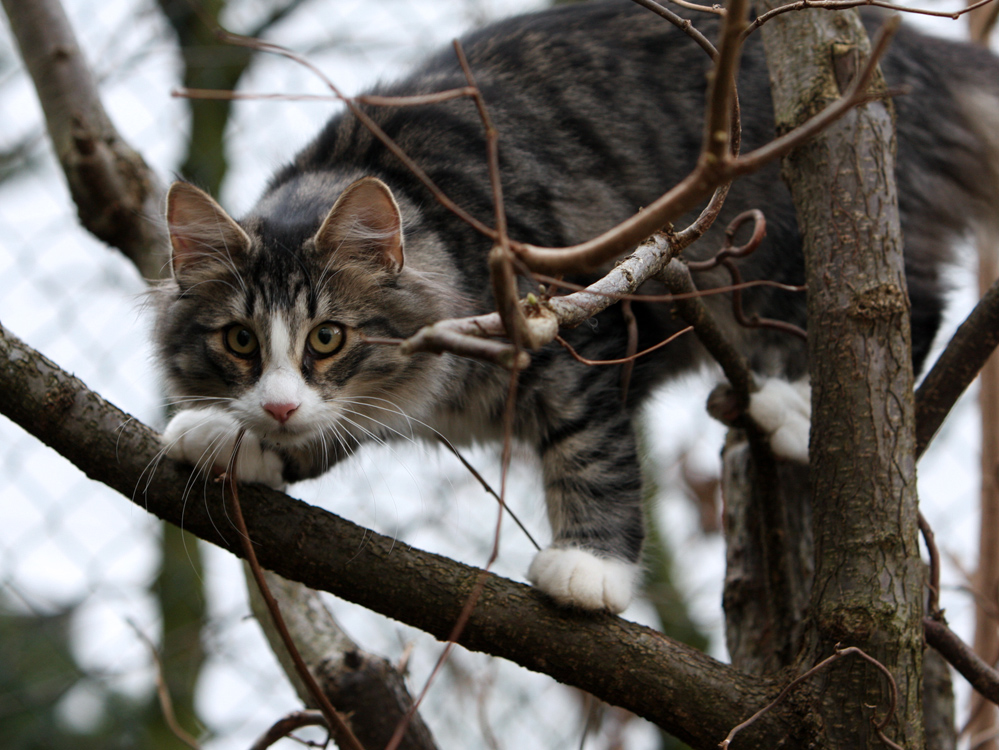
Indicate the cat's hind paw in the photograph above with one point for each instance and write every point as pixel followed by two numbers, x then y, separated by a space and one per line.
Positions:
pixel 574 577
pixel 206 438
pixel 783 410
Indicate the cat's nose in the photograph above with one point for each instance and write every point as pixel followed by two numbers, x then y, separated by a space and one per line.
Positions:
pixel 280 412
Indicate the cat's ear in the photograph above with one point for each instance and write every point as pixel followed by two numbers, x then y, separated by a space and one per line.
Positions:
pixel 203 236
pixel 365 223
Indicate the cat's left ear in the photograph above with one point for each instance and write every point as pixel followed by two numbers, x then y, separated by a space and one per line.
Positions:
pixel 365 223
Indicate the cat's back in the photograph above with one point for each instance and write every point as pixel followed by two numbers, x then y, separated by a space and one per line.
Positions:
pixel 579 96
pixel 599 108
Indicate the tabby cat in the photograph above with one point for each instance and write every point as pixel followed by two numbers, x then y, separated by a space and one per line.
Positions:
pixel 599 109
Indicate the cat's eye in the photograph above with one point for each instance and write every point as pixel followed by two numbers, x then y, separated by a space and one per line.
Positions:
pixel 325 339
pixel 240 340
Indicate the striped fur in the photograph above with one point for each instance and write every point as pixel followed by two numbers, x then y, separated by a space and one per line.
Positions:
pixel 599 109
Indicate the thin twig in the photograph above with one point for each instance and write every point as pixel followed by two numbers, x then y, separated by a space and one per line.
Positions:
pixel 699 8
pixel 283 727
pixel 502 276
pixel 839 654
pixel 701 182
pixel 724 258
pixel 677 279
pixel 487 487
pixel 623 360
pixel 163 693
pixel 681 23
pixel 415 100
pixel 933 606
pixel 721 89
pixel 473 597
pixel 365 120
pixel 631 323
pixel 844 4
pixel 339 728
pixel 556 282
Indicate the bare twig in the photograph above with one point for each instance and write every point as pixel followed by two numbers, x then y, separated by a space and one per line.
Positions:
pixel 982 677
pixel 365 120
pixel 631 322
pixel 958 365
pixel 677 279
pixel 163 693
pixel 473 599
pixel 375 101
pixel 283 727
pixel 724 257
pixel 933 605
pixel 623 360
pixel 721 88
pixel 700 183
pixel 699 8
pixel 839 654
pixel 338 727
pixel 487 487
pixel 982 22
pixel 844 4
pixel 682 23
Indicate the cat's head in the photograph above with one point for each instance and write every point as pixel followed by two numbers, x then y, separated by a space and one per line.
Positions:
pixel 270 317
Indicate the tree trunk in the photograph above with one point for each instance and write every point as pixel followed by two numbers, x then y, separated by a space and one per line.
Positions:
pixel 868 581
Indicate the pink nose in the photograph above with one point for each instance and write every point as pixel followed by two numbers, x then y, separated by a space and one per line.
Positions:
pixel 280 412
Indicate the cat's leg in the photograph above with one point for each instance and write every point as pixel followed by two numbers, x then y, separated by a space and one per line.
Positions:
pixel 206 438
pixel 783 410
pixel 593 489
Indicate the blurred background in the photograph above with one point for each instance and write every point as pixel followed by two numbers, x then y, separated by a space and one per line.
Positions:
pixel 88 580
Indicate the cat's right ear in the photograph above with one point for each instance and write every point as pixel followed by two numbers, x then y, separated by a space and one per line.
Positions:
pixel 203 237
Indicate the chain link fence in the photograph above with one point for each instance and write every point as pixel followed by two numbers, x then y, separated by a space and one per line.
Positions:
pixel 79 564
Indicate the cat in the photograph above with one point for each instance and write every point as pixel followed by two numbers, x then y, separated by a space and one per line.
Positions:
pixel 599 109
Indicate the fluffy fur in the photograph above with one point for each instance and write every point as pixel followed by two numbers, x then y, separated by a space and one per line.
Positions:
pixel 599 108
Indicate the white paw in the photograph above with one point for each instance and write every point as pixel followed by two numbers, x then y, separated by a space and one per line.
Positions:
pixel 206 437
pixel 783 410
pixel 574 577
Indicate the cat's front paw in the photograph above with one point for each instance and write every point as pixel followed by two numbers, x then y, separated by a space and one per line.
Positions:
pixel 206 438
pixel 783 410
pixel 575 577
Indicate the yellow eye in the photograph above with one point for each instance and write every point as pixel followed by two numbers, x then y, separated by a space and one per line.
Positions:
pixel 240 340
pixel 326 339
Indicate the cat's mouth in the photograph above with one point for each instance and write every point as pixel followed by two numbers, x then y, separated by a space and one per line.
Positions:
pixel 286 435
pixel 289 436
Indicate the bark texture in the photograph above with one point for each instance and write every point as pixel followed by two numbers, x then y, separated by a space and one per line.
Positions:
pixel 118 198
pixel 364 687
pixel 687 693
pixel 868 577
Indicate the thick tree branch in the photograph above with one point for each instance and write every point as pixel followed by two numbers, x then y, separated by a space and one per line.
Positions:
pixel 955 368
pixel 868 583
pixel 117 196
pixel 962 657
pixel 364 687
pixel 682 690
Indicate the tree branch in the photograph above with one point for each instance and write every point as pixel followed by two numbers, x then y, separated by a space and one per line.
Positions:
pixel 118 198
pixel 680 689
pixel 955 368
pixel 702 181
pixel 363 686
pixel 982 677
